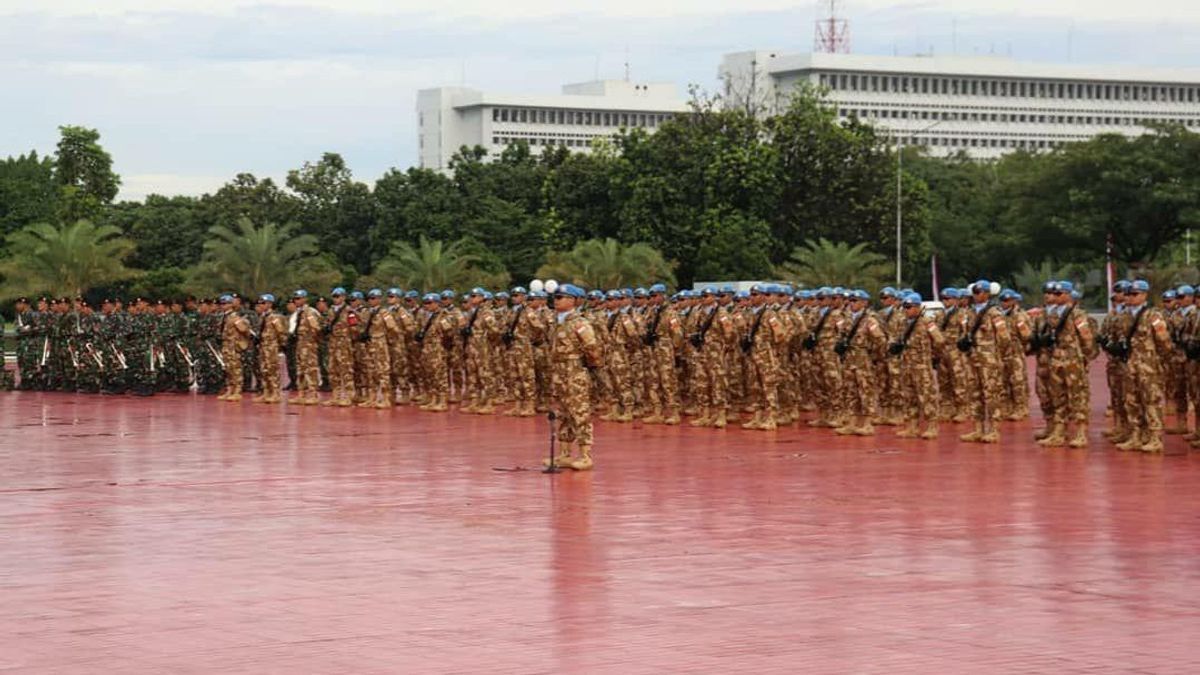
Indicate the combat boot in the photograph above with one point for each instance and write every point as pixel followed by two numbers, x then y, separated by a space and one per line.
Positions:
pixel 768 422
pixel 866 429
pixel 584 462
pixel 526 410
pixel 719 421
pixel 990 436
pixel 486 408
pixel 382 404
pixel 1152 442
pixel 673 418
pixel 960 417
pixel 611 416
pixel 974 436
pixel 562 459
pixel 1080 439
pixel 755 422
pixel 1057 437
pixel 909 431
pixel 624 417
pixel 234 398
pixel 1133 442
pixel 655 417
pixel 931 431
pixel 258 398
pixel 439 405
pixel 1044 432
pixel 704 419
pixel 331 402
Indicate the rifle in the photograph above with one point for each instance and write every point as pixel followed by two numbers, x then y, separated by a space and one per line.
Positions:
pixel 45 352
pixel 897 348
pixel 698 338
pixel 967 342
pixel 843 345
pixel 95 356
pixel 510 334
pixel 215 353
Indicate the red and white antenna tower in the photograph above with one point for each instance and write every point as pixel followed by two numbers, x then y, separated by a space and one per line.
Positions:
pixel 832 35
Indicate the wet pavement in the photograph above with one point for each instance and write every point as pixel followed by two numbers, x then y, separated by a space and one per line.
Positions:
pixel 181 534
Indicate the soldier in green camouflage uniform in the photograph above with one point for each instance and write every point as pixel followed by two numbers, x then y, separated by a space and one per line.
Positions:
pixel 112 326
pixel 142 372
pixel 26 351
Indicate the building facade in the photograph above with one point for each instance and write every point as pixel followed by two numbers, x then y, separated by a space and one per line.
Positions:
pixel 985 106
pixel 449 118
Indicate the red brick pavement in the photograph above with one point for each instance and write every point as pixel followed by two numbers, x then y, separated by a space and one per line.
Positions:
pixel 184 535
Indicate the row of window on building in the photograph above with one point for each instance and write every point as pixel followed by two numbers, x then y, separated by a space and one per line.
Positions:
pixel 593 118
pixel 536 141
pixel 960 116
pixel 956 143
pixel 959 86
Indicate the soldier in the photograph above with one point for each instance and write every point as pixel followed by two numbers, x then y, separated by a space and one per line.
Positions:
pixel 1177 362
pixel 26 345
pixel 235 340
pixel 289 348
pixel 90 363
pixel 272 334
pixel 142 373
pixel 1071 344
pixel 476 327
pixel 662 336
pixel 378 328
pixel 981 344
pixel 765 335
pixel 358 347
pixel 437 334
pixel 1112 330
pixel 891 392
pixel 1147 337
pixel 112 329
pixel 322 307
pixel 305 324
pixel 1016 369
pixel 829 326
pixel 340 325
pixel 714 329
pixel 398 347
pixel 861 345
pixel 517 339
pixel 915 348
pixel 575 352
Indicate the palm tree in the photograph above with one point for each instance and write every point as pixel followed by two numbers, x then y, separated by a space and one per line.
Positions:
pixel 66 260
pixel 607 263
pixel 822 262
pixel 433 265
pixel 256 259
pixel 1029 279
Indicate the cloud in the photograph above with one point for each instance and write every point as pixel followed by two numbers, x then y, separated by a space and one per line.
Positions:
pixel 184 91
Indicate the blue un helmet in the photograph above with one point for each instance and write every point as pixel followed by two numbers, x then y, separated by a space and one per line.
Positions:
pixel 413 294
pixel 595 295
pixel 537 294
pixel 571 290
pixel 741 295
pixel 861 294
pixel 356 295
pixel 1066 286
pixel 501 295
pixel 1139 286
pixel 981 286
pixel 626 292
pixel 614 295
pixel 1008 294
pixel 658 289
pixel 1185 291
pixel 708 290
pixel 395 292
pixel 1018 297
pixel 448 294
pixel 375 293
pixel 912 299
pixel 267 298
pixel 951 293
pixel 519 290
pixel 300 293
pixel 1123 286
pixel 887 292
pixel 478 291
pixel 337 291
pixel 1168 294
pixel 640 292
pixel 431 297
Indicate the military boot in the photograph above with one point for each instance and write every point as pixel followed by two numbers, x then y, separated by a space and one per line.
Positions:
pixel 1151 442
pixel 931 431
pixel 1079 439
pixel 562 459
pixel 440 404
pixel 704 419
pixel 1057 437
pixel 526 410
pixel 909 431
pixel 1133 442
pixel 719 421
pixel 974 435
pixel 755 422
pixel 672 417
pixel 768 422
pixel 655 416
pixel 584 462
pixel 486 408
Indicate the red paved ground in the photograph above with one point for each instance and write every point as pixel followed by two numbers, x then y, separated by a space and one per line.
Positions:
pixel 186 535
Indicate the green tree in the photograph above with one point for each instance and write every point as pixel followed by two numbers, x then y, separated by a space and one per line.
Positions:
pixel 83 170
pixel 823 262
pixel 28 192
pixel 433 265
pixel 336 209
pixel 607 263
pixel 65 260
pixel 169 231
pixel 252 259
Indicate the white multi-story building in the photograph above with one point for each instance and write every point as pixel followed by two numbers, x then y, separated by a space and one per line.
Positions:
pixel 984 105
pixel 449 118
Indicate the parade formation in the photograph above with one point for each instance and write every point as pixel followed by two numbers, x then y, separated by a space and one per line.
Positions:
pixel 762 358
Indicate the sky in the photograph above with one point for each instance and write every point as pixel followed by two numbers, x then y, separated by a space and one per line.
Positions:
pixel 188 93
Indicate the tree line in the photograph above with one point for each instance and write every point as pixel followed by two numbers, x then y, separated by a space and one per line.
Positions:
pixel 717 194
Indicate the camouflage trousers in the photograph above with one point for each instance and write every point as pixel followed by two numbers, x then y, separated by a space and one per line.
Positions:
pixel 378 385
pixel 712 387
pixel 233 369
pixel 918 395
pixel 764 378
pixel 268 372
pixel 988 390
pixel 307 370
pixel 1041 385
pixel 661 383
pixel 1016 381
pixel 858 384
pixel 1068 389
pixel 434 373
pixel 830 394
pixel 1116 373
pixel 341 367
pixel 480 387
pixel 572 391
pixel 522 381
pixel 1144 395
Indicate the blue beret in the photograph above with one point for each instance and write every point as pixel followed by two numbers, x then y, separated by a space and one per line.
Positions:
pixel 1140 286
pixel 1185 290
pixel 709 290
pixel 375 293
pixel 537 294
pixel 727 289
pixel 887 292
pixel 338 291
pixel 266 297
pixel 571 290
pixel 413 294
pixel 447 294
pixel 805 295
pixel 614 295
pixel 300 293
pixel 786 288
pixel 658 288
pixel 1066 286
pixel 1123 286
pixel 431 297
pixel 913 298
pixel 519 290
pixel 860 294
pixel 742 294
pixel 951 293
pixel 640 293
pixel 1168 294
